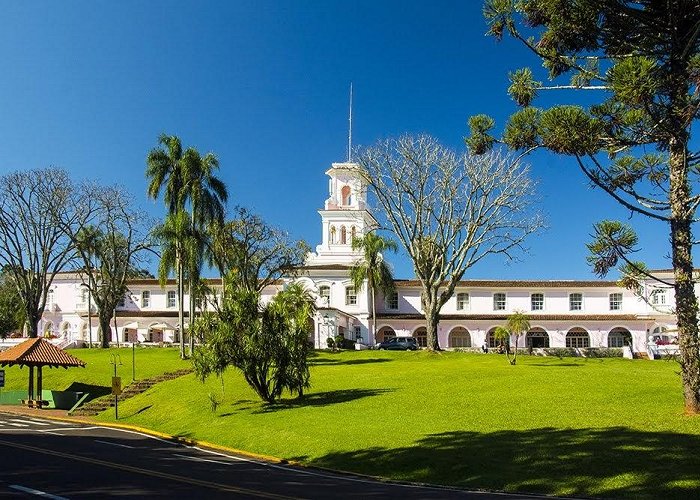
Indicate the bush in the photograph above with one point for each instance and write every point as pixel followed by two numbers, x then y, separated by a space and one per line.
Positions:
pixel 602 352
pixel 561 352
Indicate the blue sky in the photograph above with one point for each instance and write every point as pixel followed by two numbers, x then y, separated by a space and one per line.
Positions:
pixel 89 86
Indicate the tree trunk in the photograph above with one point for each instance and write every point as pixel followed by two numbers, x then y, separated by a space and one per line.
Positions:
pixel 180 305
pixel 373 323
pixel 33 320
pixel 686 301
pixel 105 331
pixel 190 330
pixel 431 309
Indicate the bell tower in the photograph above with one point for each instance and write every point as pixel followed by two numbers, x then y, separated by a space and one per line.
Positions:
pixel 344 215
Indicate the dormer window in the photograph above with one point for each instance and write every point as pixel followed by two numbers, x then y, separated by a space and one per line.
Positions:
pixel 346 195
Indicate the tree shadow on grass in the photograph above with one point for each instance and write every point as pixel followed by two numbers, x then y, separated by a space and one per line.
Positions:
pixel 555 364
pixel 327 398
pixel 95 391
pixel 608 462
pixel 336 362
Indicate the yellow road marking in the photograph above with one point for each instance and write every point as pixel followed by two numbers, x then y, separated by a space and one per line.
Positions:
pixel 163 475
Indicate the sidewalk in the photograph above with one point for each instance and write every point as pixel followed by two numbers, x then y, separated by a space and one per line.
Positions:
pixel 33 412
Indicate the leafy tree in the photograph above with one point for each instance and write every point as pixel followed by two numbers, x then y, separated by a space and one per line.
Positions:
pixel 268 344
pixel 111 250
pixel 643 57
pixel 517 325
pixel 373 269
pixel 36 209
pixel 11 310
pixel 448 211
pixel 254 253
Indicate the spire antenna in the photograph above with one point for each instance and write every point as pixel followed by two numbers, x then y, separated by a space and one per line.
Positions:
pixel 350 128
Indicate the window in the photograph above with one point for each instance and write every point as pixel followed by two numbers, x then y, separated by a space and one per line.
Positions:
pixel 350 296
pixel 332 234
pixel 462 301
pixel 575 301
pixel 324 292
pixel 577 338
pixel 459 337
pixel 537 302
pixel 172 300
pixel 84 296
pixel 499 301
pixel 358 333
pixel 615 301
pixel 343 235
pixel 346 195
pixel 658 297
pixel 421 336
pixel 392 300
pixel 619 337
pixel 145 298
pixel 353 234
pixel 49 299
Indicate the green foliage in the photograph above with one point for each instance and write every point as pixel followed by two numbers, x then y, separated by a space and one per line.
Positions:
pixel 523 88
pixel 12 313
pixel 522 129
pixel 268 344
pixel 612 241
pixel 569 130
pixel 635 80
pixel 517 325
pixel 480 140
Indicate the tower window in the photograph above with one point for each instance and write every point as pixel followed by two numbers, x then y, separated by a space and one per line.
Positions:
pixel 346 195
pixel 333 235
pixel 343 235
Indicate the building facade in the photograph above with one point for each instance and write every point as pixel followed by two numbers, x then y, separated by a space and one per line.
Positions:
pixel 563 313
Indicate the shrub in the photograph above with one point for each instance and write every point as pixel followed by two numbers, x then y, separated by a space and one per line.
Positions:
pixel 602 352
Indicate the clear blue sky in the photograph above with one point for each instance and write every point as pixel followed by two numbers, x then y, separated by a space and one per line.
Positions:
pixel 89 86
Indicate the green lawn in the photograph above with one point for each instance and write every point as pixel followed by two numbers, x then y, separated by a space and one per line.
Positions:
pixel 97 375
pixel 595 427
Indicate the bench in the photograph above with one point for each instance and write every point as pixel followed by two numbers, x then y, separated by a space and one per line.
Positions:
pixel 35 403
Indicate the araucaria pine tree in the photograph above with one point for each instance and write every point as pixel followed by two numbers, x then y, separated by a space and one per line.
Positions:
pixel 642 60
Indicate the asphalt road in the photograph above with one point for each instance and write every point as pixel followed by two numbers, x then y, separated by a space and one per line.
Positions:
pixel 58 460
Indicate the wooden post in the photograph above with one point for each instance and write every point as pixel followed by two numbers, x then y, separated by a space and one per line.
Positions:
pixel 38 384
pixel 30 392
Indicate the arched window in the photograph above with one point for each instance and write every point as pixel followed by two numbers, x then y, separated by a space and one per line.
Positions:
pixel 459 337
pixel 343 235
pixel 537 337
pixel 619 337
pixel 333 235
pixel 385 333
pixel 577 337
pixel 346 195
pixel 353 234
pixel 48 328
pixel 421 336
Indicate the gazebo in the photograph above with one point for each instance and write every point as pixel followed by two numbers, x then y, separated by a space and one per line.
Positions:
pixel 37 352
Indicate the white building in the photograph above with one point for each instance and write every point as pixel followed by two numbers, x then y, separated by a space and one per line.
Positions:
pixel 563 313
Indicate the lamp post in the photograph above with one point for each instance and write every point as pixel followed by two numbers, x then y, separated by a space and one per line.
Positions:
pixel 115 359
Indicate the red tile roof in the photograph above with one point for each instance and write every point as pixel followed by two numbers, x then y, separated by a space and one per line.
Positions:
pixel 38 352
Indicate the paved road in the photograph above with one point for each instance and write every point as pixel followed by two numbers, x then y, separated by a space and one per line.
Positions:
pixel 68 460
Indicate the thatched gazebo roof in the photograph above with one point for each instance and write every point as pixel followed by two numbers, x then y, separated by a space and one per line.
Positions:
pixel 38 352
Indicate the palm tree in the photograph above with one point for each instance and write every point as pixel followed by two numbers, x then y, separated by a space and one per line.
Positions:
pixel 164 168
pixel 372 268
pixel 518 324
pixel 175 237
pixel 207 195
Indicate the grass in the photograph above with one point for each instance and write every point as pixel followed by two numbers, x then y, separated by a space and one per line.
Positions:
pixel 597 427
pixel 96 377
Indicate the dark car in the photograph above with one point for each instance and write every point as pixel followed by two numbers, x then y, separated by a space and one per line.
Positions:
pixel 399 344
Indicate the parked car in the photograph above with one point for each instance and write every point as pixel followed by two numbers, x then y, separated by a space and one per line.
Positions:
pixel 399 344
